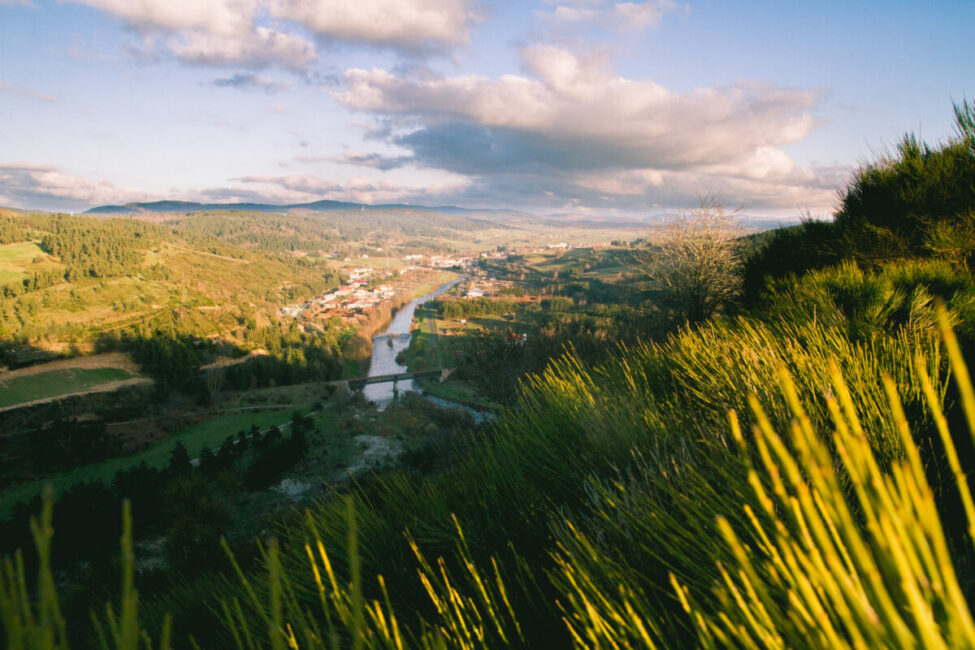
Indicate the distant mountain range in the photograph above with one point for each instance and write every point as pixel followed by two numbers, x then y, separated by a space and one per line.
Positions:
pixel 315 206
pixel 511 217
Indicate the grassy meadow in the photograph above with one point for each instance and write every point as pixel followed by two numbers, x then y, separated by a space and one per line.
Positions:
pixel 17 259
pixel 45 385
pixel 580 262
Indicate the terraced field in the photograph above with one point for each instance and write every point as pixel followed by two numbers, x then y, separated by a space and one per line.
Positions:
pixel 69 377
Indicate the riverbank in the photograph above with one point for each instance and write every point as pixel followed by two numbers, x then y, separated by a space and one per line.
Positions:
pixel 458 392
pixel 384 360
pixel 379 320
pixel 428 349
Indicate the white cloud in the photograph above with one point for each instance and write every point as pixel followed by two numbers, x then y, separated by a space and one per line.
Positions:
pixel 214 32
pixel 215 16
pixel 623 16
pixel 404 25
pixel 572 127
pixel 570 103
pixel 302 188
pixel 48 187
pixel 252 49
pixel 258 33
pixel 803 187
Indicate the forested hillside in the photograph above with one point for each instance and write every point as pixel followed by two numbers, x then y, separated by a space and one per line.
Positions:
pixel 342 232
pixel 71 279
pixel 792 471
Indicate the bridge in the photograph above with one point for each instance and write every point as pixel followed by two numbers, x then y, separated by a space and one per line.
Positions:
pixel 350 384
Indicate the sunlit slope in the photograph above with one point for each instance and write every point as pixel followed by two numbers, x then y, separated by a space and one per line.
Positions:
pixel 176 281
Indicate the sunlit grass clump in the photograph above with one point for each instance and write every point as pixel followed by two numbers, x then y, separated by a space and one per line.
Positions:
pixel 826 566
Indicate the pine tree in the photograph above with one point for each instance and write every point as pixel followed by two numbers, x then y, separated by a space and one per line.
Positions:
pixel 179 461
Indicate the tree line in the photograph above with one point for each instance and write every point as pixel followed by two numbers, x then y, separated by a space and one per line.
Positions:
pixel 188 501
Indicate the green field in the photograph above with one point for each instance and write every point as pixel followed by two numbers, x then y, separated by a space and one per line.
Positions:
pixel 56 382
pixel 211 432
pixel 19 254
pixel 428 351
pixel 14 258
pixel 588 263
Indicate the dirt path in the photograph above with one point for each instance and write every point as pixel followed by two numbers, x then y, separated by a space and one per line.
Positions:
pixel 224 362
pixel 119 360
pixel 108 386
pixel 125 322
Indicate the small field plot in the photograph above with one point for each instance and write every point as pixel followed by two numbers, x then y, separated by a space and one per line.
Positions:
pixel 14 258
pixel 45 385
pixel 212 432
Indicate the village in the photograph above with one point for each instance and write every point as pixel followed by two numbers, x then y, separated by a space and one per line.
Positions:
pixel 361 293
pixel 367 288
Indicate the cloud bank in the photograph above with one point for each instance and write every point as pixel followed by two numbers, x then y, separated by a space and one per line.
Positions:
pixel 619 16
pixel 48 187
pixel 27 185
pixel 565 132
pixel 407 26
pixel 259 33
pixel 572 127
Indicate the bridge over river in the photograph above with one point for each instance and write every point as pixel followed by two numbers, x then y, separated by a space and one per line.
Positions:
pixel 388 376
pixel 344 385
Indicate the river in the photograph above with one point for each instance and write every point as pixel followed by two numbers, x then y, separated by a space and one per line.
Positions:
pixel 384 355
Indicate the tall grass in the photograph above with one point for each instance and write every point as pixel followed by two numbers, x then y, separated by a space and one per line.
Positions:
pixel 645 431
pixel 617 508
pixel 32 618
pixel 869 303
pixel 822 567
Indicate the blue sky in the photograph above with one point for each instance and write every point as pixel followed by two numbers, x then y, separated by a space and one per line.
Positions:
pixel 555 106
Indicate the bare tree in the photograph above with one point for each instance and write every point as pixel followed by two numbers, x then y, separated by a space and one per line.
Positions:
pixel 694 260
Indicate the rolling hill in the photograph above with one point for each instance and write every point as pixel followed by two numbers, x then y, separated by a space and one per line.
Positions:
pixel 324 205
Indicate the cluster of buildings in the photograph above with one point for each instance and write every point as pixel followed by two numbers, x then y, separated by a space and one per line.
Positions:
pixel 437 262
pixel 354 298
pixel 484 284
pixel 445 262
pixel 341 302
pixel 347 300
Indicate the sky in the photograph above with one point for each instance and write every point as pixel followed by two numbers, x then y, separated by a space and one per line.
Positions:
pixel 575 107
